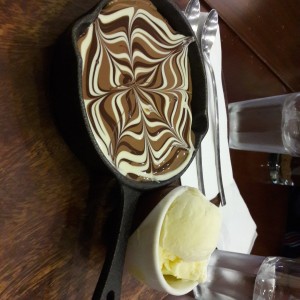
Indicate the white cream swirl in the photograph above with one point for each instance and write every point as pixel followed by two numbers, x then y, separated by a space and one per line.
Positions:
pixel 137 90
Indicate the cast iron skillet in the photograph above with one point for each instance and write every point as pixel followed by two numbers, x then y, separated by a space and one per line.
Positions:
pixel 73 123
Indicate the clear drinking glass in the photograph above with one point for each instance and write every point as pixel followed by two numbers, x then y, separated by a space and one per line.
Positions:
pixel 230 276
pixel 277 279
pixel 266 125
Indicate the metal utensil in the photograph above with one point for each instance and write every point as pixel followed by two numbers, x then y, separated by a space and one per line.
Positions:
pixel 207 31
pixel 192 13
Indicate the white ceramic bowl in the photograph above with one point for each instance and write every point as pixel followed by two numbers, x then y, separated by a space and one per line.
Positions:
pixel 142 256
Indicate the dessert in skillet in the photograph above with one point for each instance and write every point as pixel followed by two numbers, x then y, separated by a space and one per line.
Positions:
pixel 136 87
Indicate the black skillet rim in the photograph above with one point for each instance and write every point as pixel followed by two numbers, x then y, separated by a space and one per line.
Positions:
pixel 199 123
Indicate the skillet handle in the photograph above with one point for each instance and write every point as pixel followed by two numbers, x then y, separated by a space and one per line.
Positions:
pixel 110 281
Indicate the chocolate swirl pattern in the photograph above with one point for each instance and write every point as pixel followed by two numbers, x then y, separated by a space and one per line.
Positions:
pixel 136 88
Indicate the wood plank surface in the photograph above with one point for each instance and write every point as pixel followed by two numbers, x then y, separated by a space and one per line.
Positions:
pixel 245 75
pixel 270 28
pixel 267 203
pixel 53 211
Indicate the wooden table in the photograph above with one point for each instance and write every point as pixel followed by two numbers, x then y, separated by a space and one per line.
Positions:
pixel 53 211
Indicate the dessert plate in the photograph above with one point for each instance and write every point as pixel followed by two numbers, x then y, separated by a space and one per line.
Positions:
pixel 72 120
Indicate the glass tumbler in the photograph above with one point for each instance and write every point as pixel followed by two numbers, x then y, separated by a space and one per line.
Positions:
pixel 269 124
pixel 278 278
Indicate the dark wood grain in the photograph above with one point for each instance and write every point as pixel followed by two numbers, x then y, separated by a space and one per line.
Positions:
pixel 271 30
pixel 53 211
pixel 245 75
pixel 267 203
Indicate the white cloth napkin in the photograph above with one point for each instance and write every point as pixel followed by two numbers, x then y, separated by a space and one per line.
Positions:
pixel 238 231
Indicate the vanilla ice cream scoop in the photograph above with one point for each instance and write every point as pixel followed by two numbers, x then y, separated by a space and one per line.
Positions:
pixel 170 249
pixel 189 235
